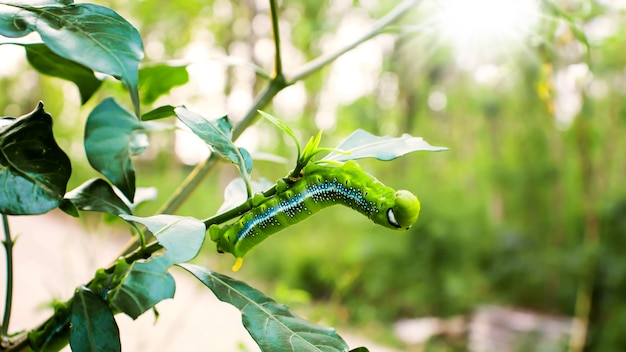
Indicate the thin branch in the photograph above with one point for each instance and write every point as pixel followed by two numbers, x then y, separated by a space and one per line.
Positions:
pixel 8 246
pixel 278 63
pixel 393 15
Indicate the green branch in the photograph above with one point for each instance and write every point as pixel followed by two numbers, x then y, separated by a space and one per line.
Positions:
pixel 395 14
pixel 278 63
pixel 8 246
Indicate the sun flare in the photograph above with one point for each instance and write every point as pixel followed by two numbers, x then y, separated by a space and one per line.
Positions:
pixel 481 28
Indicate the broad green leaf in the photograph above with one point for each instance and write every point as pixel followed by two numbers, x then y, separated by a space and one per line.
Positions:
pixel 283 127
pixel 272 325
pixel 35 171
pixel 157 80
pixel 159 113
pixel 182 237
pixel 97 195
pixel 362 144
pixel 217 134
pixel 89 34
pixel 110 139
pixel 49 63
pixel 146 284
pixel 93 327
pixel 360 349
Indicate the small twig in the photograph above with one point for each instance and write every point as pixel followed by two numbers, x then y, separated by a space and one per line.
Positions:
pixel 393 15
pixel 278 63
pixel 8 246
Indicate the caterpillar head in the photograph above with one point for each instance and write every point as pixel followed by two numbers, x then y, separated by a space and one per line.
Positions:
pixel 405 210
pixel 219 236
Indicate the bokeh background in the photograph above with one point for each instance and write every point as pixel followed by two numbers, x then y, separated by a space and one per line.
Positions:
pixel 527 209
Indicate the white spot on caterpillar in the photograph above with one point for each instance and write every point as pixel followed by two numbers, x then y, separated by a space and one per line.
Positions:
pixel 391 217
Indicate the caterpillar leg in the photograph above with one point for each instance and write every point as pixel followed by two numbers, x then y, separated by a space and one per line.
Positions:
pixel 238 264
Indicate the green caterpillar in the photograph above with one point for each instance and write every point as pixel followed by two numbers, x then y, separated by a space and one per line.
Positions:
pixel 319 187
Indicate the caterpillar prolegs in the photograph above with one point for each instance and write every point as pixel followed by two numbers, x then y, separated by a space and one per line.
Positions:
pixel 319 187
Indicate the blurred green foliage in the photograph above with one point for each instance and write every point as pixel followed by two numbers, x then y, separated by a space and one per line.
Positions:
pixel 519 211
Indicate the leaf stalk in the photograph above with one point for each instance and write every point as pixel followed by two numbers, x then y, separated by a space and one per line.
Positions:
pixel 8 246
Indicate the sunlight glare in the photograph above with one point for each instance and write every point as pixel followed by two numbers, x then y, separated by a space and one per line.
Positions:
pixel 482 28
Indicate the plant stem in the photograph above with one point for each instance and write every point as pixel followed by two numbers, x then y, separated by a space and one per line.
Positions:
pixel 8 246
pixel 278 63
pixel 395 14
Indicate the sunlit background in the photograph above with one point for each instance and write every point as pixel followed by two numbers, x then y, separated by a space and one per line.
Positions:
pixel 522 219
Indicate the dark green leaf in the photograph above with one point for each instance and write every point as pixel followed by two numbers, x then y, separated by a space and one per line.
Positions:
pixel 97 195
pixel 92 328
pixel 362 144
pixel 360 349
pixel 92 35
pixel 69 208
pixel 159 113
pixel 157 80
pixel 147 284
pixel 49 63
pixel 110 136
pixel 182 237
pixel 35 171
pixel 272 325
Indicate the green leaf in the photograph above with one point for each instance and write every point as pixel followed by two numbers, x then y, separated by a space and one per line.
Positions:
pixel 97 195
pixel 93 327
pixel 92 35
pixel 110 139
pixel 159 113
pixel 35 171
pixel 182 237
pixel 362 144
pixel 146 284
pixel 217 134
pixel 47 62
pixel 360 349
pixel 272 325
pixel 283 127
pixel 157 80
